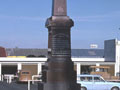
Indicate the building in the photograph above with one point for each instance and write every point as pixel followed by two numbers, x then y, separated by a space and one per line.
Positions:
pixel 32 59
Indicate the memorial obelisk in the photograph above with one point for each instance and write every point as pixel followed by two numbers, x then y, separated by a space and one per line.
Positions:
pixel 59 71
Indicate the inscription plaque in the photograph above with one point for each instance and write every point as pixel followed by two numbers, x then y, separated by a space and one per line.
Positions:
pixel 61 45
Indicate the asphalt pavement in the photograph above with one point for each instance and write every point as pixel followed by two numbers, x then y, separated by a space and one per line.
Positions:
pixel 16 86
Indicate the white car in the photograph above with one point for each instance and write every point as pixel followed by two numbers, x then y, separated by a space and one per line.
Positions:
pixel 96 82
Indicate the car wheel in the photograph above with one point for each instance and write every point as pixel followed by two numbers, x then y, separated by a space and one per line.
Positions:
pixel 115 88
pixel 83 88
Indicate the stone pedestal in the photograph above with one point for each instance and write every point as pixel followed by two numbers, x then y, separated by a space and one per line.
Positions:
pixel 59 71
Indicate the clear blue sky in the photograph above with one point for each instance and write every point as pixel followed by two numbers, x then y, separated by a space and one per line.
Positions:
pixel 22 22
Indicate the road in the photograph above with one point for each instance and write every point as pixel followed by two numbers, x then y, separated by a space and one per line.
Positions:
pixel 15 86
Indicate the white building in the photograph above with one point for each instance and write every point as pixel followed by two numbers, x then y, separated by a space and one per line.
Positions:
pixel 82 58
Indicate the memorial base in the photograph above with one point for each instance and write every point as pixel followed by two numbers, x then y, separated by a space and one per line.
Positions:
pixel 61 86
pixel 59 74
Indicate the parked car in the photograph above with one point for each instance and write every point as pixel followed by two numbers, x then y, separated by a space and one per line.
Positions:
pixel 96 82
pixel 24 76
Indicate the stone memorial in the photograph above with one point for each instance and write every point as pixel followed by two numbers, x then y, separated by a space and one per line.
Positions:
pixel 58 72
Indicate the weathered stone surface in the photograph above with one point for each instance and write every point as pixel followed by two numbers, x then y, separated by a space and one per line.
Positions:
pixel 59 8
pixel 59 71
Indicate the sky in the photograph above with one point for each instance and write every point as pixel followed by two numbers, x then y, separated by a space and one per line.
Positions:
pixel 22 22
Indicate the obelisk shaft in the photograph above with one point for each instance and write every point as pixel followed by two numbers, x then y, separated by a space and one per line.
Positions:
pixel 59 8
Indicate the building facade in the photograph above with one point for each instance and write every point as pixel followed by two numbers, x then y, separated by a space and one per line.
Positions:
pixel 33 59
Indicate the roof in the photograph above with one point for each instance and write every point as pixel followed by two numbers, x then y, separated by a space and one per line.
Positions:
pixel 25 52
pixel 87 75
pixel 88 53
pixel 37 52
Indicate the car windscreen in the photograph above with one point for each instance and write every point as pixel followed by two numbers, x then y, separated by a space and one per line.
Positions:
pixel 25 72
pixel 98 79
pixel 86 79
